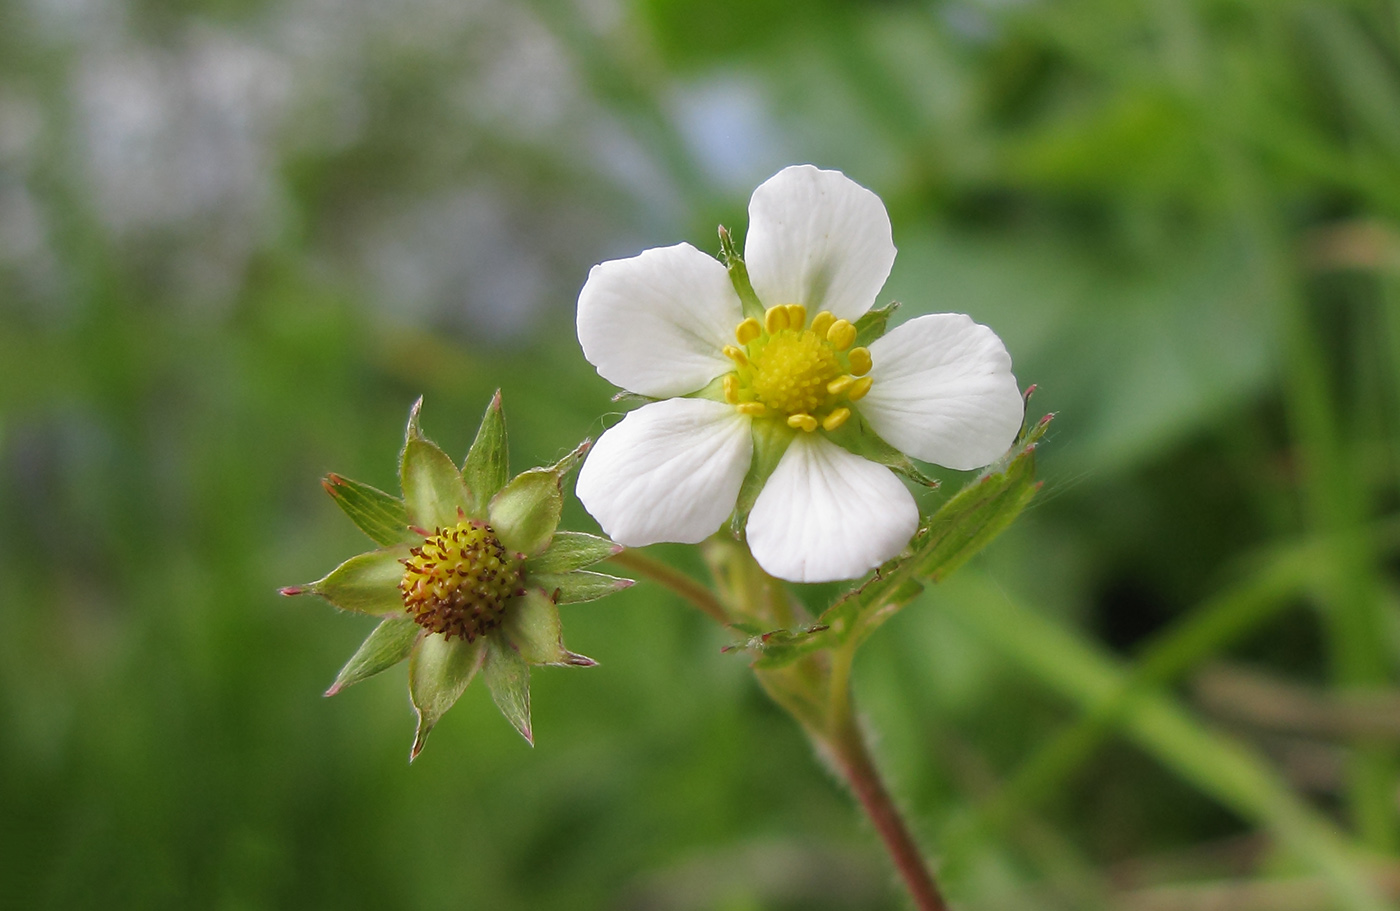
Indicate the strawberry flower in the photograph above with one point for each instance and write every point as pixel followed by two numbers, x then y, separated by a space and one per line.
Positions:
pixel 778 400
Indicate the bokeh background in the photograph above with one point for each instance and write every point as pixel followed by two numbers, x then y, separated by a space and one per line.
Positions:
pixel 237 239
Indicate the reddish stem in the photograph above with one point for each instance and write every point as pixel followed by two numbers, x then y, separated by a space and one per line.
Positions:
pixel 848 747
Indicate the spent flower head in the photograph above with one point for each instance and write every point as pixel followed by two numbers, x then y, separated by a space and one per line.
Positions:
pixel 468 575
pixel 782 401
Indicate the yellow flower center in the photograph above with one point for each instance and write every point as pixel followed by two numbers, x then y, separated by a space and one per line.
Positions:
pixel 457 582
pixel 805 375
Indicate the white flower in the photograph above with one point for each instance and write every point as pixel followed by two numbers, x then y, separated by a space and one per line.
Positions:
pixel 669 323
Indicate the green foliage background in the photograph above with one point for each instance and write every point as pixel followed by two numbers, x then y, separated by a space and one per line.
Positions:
pixel 237 240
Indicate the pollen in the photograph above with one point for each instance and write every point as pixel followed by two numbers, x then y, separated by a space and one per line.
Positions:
pixel 804 375
pixel 457 582
pixel 792 374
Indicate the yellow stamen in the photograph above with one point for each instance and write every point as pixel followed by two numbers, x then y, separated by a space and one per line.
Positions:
pixel 840 384
pixel 860 361
pixel 736 355
pixel 797 316
pixel 802 422
pixel 859 389
pixel 747 331
pixel 731 389
pixel 776 319
pixel 752 409
pixel 822 322
pixel 841 334
pixel 836 418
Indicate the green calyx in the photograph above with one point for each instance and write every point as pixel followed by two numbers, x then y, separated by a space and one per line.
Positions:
pixel 468 576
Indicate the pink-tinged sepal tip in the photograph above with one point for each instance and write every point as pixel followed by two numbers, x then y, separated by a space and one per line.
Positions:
pixel 420 531
pixel 574 659
pixel 291 590
pixel 335 688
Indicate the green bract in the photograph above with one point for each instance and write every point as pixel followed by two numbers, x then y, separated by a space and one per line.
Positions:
pixel 468 575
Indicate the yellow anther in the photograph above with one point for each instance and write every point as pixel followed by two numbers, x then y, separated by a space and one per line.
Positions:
pixel 841 334
pixel 802 422
pixel 859 388
pixel 747 331
pixel 860 361
pixel 840 384
pixel 731 389
pixel 822 322
pixel 752 409
pixel 797 316
pixel 836 418
pixel 776 319
pixel 736 355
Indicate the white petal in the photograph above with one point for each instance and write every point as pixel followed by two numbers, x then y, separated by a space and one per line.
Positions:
pixel 943 391
pixel 827 514
pixel 819 239
pixel 657 323
pixel 670 471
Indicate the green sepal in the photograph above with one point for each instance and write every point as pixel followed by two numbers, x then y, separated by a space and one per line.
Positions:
pixel 873 323
pixel 508 677
pixel 390 643
pixel 373 511
pixel 533 626
pixel 438 672
pixel 577 587
pixel 527 510
pixel 859 438
pixel 367 583
pixel 712 391
pixel 487 467
pixel 770 440
pixel 570 550
pixel 739 275
pixel 433 489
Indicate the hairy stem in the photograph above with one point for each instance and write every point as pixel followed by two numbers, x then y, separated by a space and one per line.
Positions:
pixel 668 577
pixel 848 748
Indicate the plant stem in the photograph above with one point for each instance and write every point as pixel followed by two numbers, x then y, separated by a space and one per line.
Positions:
pixel 848 748
pixel 677 581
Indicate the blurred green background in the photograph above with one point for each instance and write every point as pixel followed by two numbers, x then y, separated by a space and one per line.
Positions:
pixel 238 239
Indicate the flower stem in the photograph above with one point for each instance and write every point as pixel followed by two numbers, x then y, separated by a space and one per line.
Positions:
pixel 848 749
pixel 675 580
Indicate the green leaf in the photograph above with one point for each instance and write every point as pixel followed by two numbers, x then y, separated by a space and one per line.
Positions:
pixel 872 324
pixel 373 511
pixel 777 648
pixel 433 489
pixel 486 469
pixel 580 586
pixel 570 550
pixel 980 511
pixel 858 437
pixel 770 440
pixel 367 584
pixel 390 643
pixel 526 511
pixel 963 526
pixel 508 677
pixel 438 673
